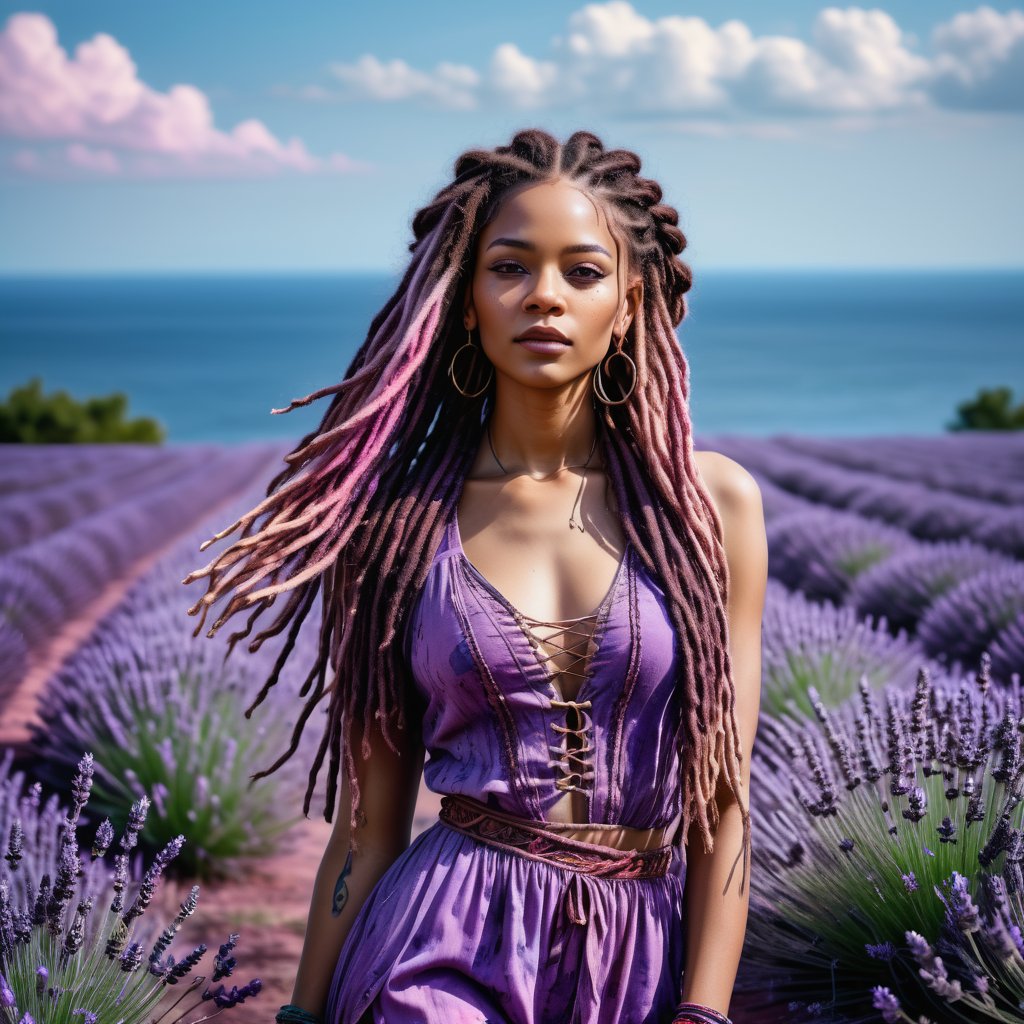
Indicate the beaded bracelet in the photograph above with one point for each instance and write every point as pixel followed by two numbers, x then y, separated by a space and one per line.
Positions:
pixel 698 1013
pixel 292 1014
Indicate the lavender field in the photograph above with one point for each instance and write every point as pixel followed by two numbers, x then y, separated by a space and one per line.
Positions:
pixel 886 785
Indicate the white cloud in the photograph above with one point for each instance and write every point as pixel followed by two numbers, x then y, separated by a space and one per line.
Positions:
pixel 611 57
pixel 520 80
pixel 980 60
pixel 115 123
pixel 448 85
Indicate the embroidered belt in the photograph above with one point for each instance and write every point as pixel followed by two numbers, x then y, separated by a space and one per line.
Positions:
pixel 539 841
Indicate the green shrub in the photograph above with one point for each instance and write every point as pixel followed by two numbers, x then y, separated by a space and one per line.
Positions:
pixel 30 417
pixel 989 410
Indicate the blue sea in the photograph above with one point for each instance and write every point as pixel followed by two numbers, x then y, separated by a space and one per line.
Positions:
pixel 832 353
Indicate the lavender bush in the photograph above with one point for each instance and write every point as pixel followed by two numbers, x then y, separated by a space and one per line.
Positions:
pixel 50 580
pixel 163 712
pixel 966 621
pixel 978 464
pixel 1008 649
pixel 32 826
pixel 60 959
pixel 904 587
pixel 822 552
pixel 805 643
pixel 887 873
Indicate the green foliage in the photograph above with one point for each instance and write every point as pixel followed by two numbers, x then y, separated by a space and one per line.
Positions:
pixel 991 409
pixel 174 736
pixel 30 417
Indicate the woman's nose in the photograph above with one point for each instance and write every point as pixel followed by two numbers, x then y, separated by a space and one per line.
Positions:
pixel 545 294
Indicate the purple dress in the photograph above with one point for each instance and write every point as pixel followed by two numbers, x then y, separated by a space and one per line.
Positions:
pixel 457 931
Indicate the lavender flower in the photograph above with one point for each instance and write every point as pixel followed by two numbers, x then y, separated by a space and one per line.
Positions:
pixel 881 950
pixel 6 994
pixel 110 951
pixel 844 875
pixel 882 999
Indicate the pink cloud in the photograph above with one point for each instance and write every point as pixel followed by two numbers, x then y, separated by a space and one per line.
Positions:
pixel 97 98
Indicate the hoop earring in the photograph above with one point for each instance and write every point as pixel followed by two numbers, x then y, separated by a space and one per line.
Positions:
pixel 451 367
pixel 598 385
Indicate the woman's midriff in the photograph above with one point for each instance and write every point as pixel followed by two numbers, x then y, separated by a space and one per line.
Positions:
pixel 621 838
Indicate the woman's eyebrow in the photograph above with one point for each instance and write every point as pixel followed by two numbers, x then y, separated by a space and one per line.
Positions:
pixel 518 243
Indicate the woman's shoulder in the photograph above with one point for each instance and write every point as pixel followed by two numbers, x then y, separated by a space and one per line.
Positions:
pixel 737 498
pixel 732 487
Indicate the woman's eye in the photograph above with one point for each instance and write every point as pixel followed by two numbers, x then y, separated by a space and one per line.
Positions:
pixel 584 271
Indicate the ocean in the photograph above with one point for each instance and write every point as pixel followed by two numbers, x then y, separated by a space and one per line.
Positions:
pixel 831 353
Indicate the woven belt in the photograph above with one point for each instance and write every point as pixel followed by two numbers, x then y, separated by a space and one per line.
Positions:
pixel 547 841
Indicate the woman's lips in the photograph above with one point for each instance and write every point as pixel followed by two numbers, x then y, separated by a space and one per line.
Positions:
pixel 546 341
pixel 544 347
pixel 541 333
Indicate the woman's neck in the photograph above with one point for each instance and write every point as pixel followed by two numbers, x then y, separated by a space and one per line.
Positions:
pixel 540 442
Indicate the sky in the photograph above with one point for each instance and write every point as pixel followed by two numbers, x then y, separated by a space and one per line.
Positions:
pixel 194 137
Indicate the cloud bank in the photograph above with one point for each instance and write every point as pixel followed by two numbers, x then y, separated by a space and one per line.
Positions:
pixel 613 59
pixel 114 125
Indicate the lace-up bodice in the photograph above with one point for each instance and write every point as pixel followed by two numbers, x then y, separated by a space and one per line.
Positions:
pixel 570 720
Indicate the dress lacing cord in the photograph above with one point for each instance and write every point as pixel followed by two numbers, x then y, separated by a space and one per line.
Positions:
pixel 576 776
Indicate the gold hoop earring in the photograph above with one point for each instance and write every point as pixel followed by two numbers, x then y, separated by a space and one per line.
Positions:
pixel 451 367
pixel 598 385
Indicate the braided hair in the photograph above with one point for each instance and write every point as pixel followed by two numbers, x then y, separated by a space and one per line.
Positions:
pixel 361 507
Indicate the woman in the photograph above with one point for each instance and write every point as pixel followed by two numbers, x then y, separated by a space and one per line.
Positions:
pixel 587 696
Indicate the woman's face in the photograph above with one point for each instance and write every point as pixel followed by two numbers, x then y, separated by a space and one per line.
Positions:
pixel 547 259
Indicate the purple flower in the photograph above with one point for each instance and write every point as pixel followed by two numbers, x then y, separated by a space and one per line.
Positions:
pixel 882 999
pixel 6 993
pixel 225 999
pixel 909 881
pixel 15 845
pixel 880 951
pixel 223 962
pixel 104 837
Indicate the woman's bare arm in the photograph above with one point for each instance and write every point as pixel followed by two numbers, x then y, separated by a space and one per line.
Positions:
pixel 389 784
pixel 716 923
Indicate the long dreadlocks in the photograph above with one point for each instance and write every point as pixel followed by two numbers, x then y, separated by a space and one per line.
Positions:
pixel 361 507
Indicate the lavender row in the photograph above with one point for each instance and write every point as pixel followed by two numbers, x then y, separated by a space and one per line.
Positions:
pixel 29 515
pixel 989 466
pixel 913 507
pixel 163 713
pixel 956 598
pixel 28 467
pixel 50 581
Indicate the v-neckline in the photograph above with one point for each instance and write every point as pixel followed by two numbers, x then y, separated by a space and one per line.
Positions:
pixel 600 614
pixel 596 613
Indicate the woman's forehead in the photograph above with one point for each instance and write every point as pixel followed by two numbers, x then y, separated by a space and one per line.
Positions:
pixel 548 209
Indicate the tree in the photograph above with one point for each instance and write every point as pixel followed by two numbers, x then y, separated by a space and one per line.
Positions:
pixel 991 409
pixel 30 417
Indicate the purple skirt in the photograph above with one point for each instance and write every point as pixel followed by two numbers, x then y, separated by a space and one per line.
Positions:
pixel 459 930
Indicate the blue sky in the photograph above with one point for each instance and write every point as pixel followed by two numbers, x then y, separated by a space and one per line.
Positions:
pixel 146 137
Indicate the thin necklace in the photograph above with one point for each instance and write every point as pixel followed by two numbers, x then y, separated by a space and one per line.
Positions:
pixel 573 522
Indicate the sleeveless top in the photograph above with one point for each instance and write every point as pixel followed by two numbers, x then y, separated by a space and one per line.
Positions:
pixel 494 725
